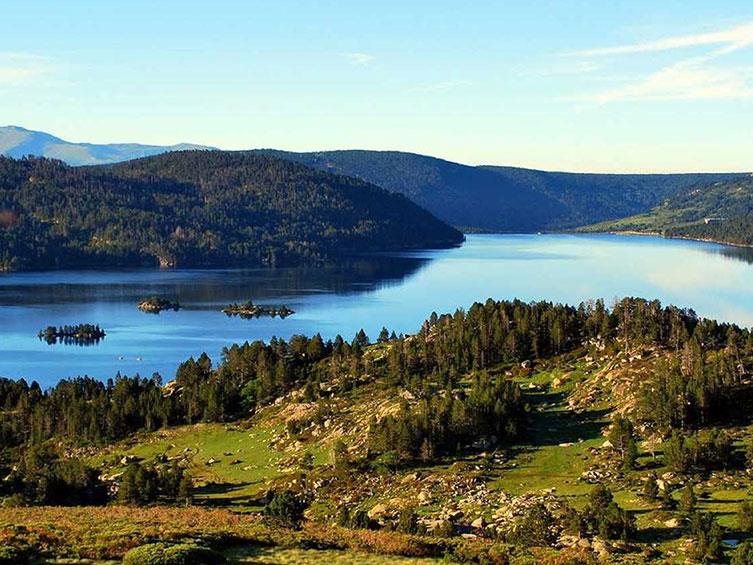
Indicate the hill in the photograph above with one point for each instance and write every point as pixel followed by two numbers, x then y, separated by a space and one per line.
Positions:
pixel 719 211
pixel 198 208
pixel 487 198
pixel 20 142
pixel 506 199
pixel 507 433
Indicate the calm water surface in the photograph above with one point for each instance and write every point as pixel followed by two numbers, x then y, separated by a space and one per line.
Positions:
pixel 398 291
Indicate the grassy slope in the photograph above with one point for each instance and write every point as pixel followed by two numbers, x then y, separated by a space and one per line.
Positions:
pixel 571 399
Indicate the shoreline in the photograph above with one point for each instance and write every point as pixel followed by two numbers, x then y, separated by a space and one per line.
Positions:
pixel 680 237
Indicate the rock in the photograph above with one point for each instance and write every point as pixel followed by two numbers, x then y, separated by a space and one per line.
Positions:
pixel 673 523
pixel 409 478
pixel 478 523
pixel 602 548
pixel 607 444
pixel 469 536
pixel 377 511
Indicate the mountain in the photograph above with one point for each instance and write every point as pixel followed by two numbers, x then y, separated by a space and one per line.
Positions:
pixel 19 142
pixel 718 211
pixel 473 198
pixel 507 199
pixel 198 208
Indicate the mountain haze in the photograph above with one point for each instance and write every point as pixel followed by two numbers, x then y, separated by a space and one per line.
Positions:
pixel 18 142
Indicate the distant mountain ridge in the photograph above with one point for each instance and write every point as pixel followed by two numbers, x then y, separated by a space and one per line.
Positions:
pixel 506 199
pixel 19 142
pixel 472 198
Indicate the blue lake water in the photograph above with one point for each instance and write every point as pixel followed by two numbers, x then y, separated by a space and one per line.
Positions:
pixel 398 291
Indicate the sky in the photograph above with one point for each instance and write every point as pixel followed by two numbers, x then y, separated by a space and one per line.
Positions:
pixel 579 85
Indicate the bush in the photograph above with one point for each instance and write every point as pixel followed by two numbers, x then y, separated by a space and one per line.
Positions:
pixel 605 518
pixel 708 537
pixel 408 521
pixel 743 555
pixel 745 517
pixel 11 556
pixel 172 554
pixel 537 528
pixel 286 508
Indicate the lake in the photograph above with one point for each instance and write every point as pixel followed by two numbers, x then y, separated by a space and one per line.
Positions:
pixel 395 290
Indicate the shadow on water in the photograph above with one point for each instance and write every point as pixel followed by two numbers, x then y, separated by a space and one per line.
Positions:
pixel 217 286
pixel 743 254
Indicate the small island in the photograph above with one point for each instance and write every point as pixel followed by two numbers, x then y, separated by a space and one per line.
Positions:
pixel 251 310
pixel 81 334
pixel 155 305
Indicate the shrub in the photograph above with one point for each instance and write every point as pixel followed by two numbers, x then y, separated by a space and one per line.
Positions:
pixel 745 517
pixel 743 555
pixel 651 488
pixel 408 521
pixel 286 508
pixel 172 554
pixel 605 518
pixel 708 537
pixel 688 500
pixel 537 528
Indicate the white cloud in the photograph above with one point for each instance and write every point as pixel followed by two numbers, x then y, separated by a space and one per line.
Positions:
pixel 686 80
pixel 695 78
pixel 20 69
pixel 734 38
pixel 359 59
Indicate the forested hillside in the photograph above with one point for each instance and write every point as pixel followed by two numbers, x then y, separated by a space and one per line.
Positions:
pixel 198 208
pixel 504 199
pixel 510 432
pixel 720 211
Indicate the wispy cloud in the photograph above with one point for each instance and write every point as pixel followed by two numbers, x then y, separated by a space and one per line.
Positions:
pixel 691 78
pixel 21 69
pixel 686 80
pixel 734 38
pixel 359 59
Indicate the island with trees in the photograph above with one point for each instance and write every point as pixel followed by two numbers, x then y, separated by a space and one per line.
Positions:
pixel 155 305
pixel 250 310
pixel 80 334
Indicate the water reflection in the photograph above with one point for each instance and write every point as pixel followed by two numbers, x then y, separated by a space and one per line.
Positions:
pixel 744 254
pixel 204 289
pixel 396 291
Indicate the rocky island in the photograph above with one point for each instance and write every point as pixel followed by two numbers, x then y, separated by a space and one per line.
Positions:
pixel 251 310
pixel 155 305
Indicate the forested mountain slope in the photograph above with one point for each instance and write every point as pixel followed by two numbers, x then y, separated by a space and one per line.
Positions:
pixel 504 199
pixel 198 208
pixel 20 142
pixel 509 433
pixel 719 211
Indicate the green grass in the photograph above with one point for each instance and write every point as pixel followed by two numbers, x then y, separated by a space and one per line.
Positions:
pixel 225 480
pixel 558 452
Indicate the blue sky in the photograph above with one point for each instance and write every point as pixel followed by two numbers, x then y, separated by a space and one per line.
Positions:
pixel 570 85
